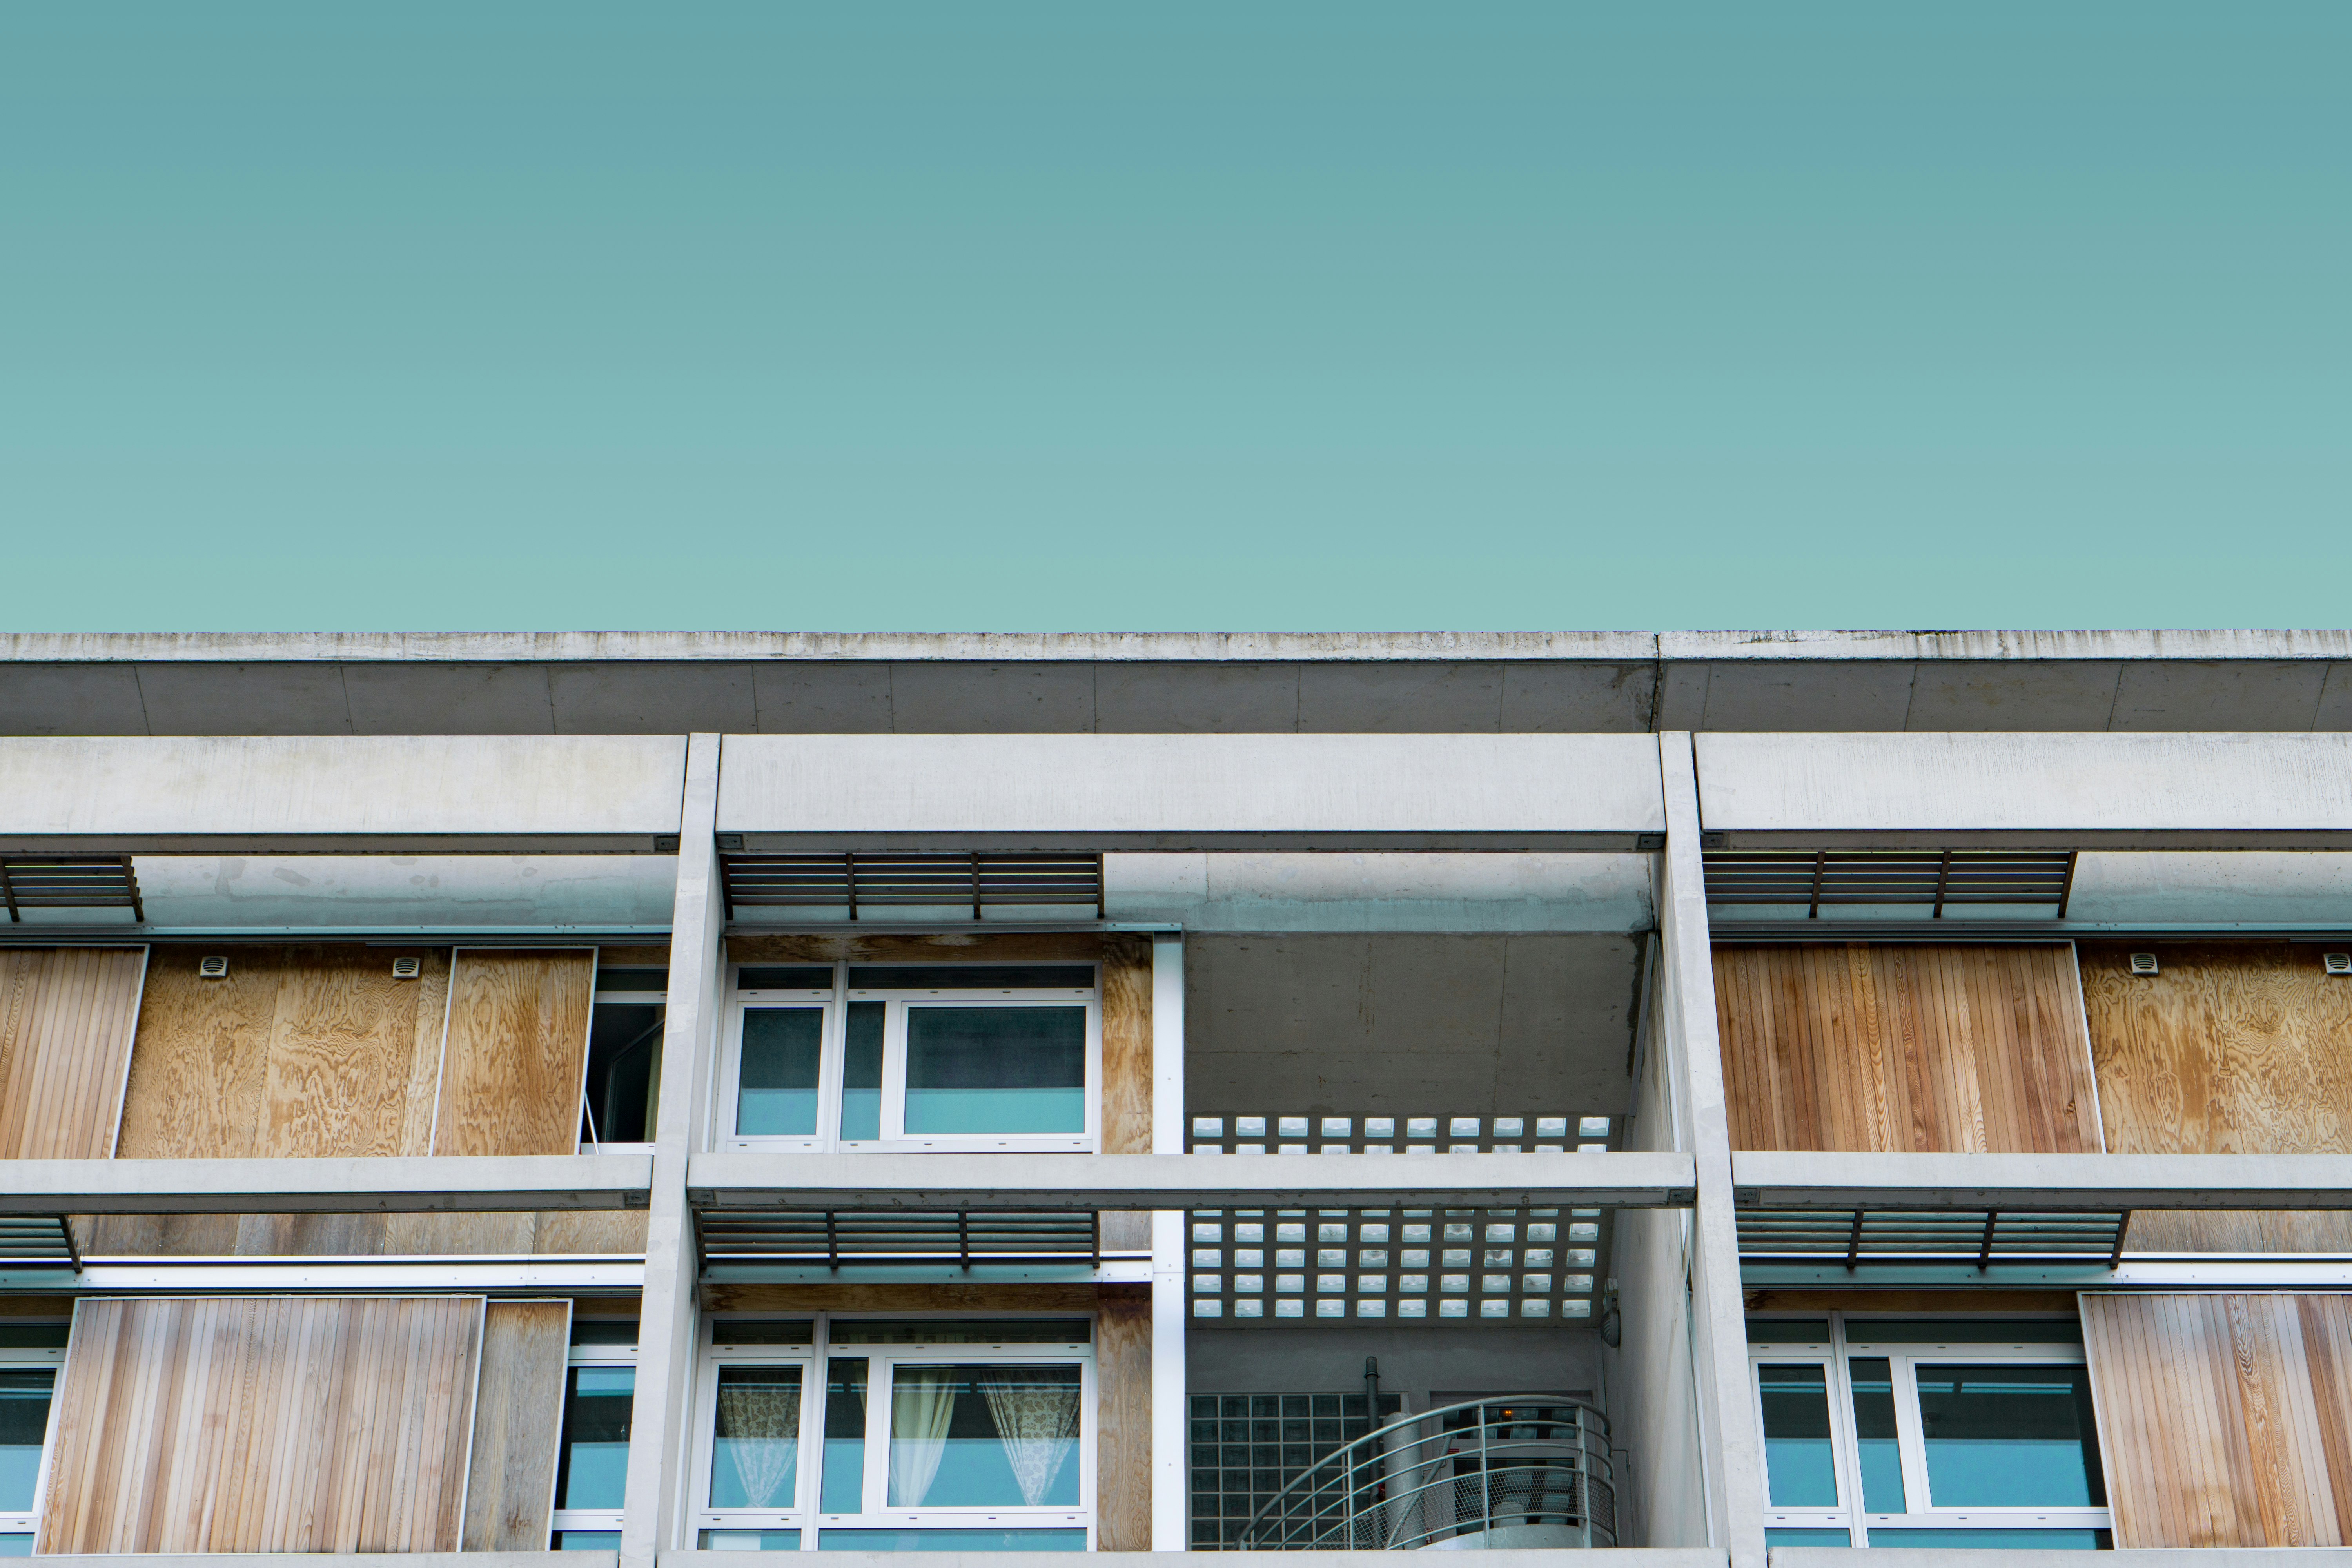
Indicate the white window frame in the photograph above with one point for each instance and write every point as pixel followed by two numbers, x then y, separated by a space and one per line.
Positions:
pixel 882 1362
pixel 1834 1357
pixel 834 1049
pixel 20 1358
pixel 563 1519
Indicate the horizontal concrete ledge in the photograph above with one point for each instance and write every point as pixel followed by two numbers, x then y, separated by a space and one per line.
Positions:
pixel 2041 1182
pixel 1066 1181
pixel 455 1183
pixel 292 843
pixel 348 1558
pixel 1623 1557
pixel 1186 841
pixel 2012 1557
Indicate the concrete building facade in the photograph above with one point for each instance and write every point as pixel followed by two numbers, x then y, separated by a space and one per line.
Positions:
pixel 1727 1097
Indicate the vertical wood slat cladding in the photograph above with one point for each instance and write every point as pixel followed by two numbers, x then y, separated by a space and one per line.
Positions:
pixel 1123 1423
pixel 2231 1048
pixel 66 1024
pixel 2224 1419
pixel 1905 1048
pixel 518 1421
pixel 262 1424
pixel 516 1059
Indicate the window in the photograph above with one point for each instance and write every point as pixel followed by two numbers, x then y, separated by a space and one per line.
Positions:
pixel 30 1355
pixel 1938 1432
pixel 591 1465
pixel 896 1435
pixel 905 1056
pixel 620 1095
pixel 1247 1447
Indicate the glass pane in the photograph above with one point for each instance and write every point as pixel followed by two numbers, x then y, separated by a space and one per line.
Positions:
pixel 960 1331
pixel 951 1541
pixel 985 1437
pixel 1799 1469
pixel 2009 1437
pixel 785 977
pixel 750 1540
pixel 861 1074
pixel 24 1423
pixel 604 1330
pixel 16 1546
pixel 764 1332
pixel 1808 1536
pixel 971 976
pixel 593 1467
pixel 996 1069
pixel 587 1540
pixel 1788 1331
pixel 1963 1332
pixel 1874 1434
pixel 2048 1540
pixel 756 1444
pixel 842 1489
pixel 780 1064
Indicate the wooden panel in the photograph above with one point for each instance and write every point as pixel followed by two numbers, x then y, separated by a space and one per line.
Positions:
pixel 1126 1045
pixel 1123 1426
pixel 65 1022
pixel 2223 1418
pixel 201 1062
pixel 1905 1048
pixel 518 1419
pixel 2231 1048
pixel 254 1424
pixel 516 1053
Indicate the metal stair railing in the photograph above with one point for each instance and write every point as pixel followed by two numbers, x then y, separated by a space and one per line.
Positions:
pixel 1531 1470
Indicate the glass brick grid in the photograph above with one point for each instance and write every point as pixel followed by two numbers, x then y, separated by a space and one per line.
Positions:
pixel 1398 1134
pixel 1248 1447
pixel 1455 1267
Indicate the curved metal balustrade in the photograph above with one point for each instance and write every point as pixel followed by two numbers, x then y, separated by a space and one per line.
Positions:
pixel 1527 1471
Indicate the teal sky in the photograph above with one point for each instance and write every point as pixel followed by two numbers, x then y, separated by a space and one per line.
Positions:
pixel 1016 316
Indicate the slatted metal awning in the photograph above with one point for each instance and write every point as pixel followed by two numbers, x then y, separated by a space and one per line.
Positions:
pixel 974 878
pixel 846 1240
pixel 39 1241
pixel 1983 1237
pixel 1938 877
pixel 69 882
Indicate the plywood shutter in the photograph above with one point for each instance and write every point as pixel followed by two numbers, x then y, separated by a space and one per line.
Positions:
pixel 1123 1423
pixel 2229 1048
pixel 516 1059
pixel 1901 1049
pixel 254 1424
pixel 2224 1419
pixel 65 1018
pixel 518 1421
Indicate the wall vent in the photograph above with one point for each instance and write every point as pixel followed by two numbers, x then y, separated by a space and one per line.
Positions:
pixel 407 968
pixel 214 968
pixel 2337 962
pixel 2143 963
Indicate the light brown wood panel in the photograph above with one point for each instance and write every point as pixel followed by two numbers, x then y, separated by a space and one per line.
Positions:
pixel 262 1424
pixel 1123 1424
pixel 1896 1047
pixel 66 1021
pixel 1126 1045
pixel 2231 1048
pixel 518 1419
pixel 516 1053
pixel 202 1056
pixel 2223 1417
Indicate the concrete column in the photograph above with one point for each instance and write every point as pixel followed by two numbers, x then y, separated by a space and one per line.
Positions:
pixel 1171 1431
pixel 1728 1439
pixel 666 1324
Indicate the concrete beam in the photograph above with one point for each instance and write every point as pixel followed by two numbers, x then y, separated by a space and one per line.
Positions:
pixel 1193 792
pixel 2077 790
pixel 2016 1557
pixel 466 1184
pixel 932 1182
pixel 1499 1557
pixel 414 793
pixel 2031 1181
pixel 347 1560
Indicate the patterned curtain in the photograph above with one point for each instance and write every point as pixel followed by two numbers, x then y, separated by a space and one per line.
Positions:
pixel 1039 1424
pixel 758 1432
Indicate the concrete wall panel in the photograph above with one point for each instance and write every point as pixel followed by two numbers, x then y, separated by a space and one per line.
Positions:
pixel 449 700
pixel 71 700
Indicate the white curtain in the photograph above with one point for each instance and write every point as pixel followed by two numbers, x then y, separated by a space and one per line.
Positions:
pixel 1039 1424
pixel 759 1427
pixel 922 1404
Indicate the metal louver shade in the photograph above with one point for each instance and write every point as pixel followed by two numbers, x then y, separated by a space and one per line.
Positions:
pixel 977 878
pixel 1937 876
pixel 1856 1237
pixel 39 1241
pixel 846 1238
pixel 69 882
